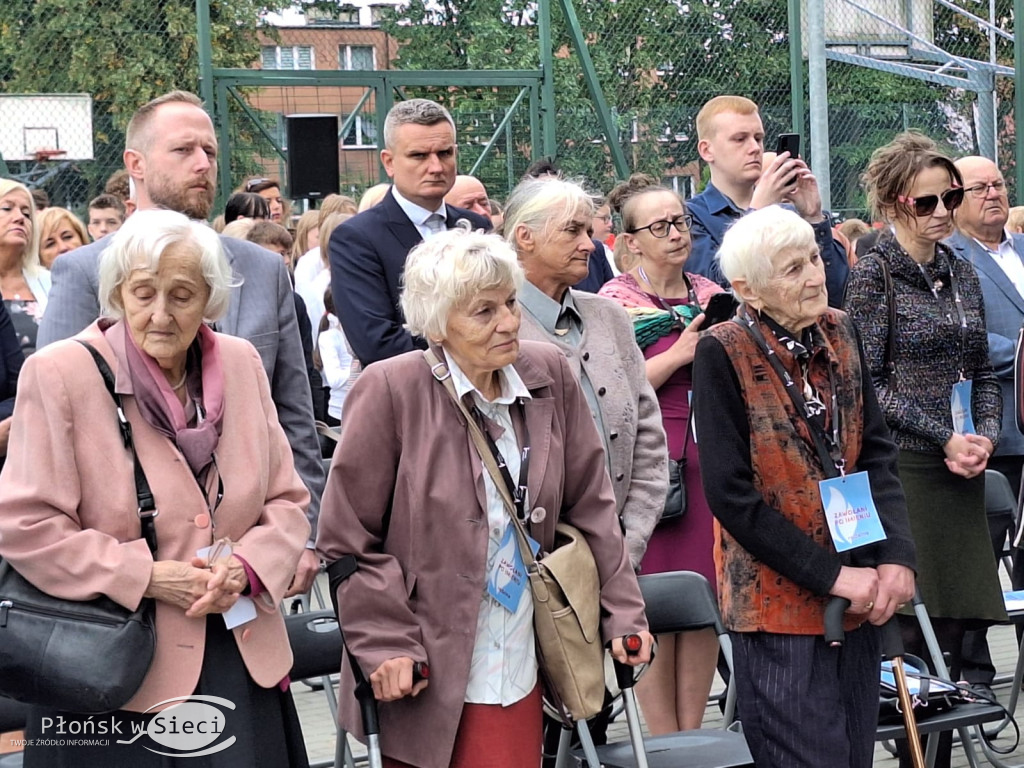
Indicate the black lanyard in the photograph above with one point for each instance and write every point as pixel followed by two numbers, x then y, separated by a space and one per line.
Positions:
pixel 518 491
pixel 829 447
pixel 958 305
pixel 691 296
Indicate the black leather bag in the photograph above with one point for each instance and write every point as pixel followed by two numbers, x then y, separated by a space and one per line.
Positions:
pixel 675 499
pixel 77 656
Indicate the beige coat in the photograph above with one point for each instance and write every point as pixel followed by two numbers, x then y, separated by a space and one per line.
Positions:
pixel 638 453
pixel 405 456
pixel 68 517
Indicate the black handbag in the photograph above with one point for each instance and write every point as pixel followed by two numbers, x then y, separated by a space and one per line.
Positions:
pixel 78 656
pixel 675 499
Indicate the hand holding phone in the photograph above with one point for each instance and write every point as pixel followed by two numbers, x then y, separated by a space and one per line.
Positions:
pixel 721 307
pixel 788 142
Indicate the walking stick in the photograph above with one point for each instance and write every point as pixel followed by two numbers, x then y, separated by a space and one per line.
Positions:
pixel 892 647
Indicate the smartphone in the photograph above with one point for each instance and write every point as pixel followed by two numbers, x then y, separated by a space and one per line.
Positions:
pixel 788 142
pixel 721 307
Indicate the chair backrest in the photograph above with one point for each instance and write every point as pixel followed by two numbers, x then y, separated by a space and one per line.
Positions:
pixel 315 639
pixel 999 496
pixel 680 601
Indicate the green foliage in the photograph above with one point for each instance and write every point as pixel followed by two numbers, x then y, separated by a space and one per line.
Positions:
pixel 122 52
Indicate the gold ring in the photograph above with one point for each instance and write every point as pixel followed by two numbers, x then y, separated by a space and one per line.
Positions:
pixel 869 604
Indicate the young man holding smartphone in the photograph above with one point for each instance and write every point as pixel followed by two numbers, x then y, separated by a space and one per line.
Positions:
pixel 730 139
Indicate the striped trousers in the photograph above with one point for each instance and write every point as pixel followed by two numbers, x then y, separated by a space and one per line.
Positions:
pixel 805 705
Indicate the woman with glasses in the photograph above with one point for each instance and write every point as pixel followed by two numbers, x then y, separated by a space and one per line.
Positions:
pixel 665 305
pixel 548 222
pixel 920 315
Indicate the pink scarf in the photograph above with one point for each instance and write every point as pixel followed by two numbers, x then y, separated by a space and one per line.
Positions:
pixel 160 407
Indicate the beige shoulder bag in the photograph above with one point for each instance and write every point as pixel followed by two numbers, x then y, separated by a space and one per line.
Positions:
pixel 566 593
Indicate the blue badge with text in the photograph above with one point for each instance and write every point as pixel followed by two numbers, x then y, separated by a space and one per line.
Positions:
pixel 850 511
pixel 960 404
pixel 507 579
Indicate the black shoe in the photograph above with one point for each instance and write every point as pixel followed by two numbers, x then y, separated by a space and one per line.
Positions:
pixel 984 691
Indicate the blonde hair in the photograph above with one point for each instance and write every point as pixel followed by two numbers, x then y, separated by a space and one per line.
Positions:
pixel 50 218
pixel 30 256
pixel 1015 223
pixel 447 271
pixel 739 105
pixel 308 222
pixel 328 224
pixel 372 196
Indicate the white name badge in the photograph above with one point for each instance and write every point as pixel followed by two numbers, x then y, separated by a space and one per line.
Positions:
pixel 850 511
pixel 960 405
pixel 507 578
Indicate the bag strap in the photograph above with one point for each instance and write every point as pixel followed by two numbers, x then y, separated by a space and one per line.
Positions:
pixel 443 375
pixel 147 504
pixel 889 362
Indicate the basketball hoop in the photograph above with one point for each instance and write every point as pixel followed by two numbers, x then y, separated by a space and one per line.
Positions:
pixel 45 155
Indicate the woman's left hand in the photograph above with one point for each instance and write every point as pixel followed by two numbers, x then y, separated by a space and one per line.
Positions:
pixel 227 582
pixel 643 657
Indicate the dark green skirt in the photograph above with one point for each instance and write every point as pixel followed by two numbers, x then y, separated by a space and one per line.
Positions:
pixel 956 569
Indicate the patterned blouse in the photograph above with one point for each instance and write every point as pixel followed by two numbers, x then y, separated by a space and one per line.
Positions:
pixel 928 345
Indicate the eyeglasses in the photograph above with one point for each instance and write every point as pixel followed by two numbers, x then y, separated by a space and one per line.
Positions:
pixel 254 183
pixel 926 205
pixel 661 228
pixel 981 190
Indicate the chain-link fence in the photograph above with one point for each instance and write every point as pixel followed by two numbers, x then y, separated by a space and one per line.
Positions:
pixel 656 63
pixel 96 61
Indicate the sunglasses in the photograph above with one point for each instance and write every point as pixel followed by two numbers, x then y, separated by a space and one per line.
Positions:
pixel 926 205
pixel 254 183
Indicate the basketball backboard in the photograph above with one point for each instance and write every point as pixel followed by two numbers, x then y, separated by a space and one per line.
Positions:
pixel 876 28
pixel 33 122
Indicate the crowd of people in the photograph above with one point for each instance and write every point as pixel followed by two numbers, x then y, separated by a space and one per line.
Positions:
pixel 741 348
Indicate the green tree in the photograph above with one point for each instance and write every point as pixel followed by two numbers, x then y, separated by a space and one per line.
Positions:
pixel 122 52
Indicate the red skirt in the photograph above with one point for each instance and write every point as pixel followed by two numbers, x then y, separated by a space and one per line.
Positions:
pixel 493 736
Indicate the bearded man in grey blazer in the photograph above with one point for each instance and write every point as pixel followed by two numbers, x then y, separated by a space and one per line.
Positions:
pixel 171 155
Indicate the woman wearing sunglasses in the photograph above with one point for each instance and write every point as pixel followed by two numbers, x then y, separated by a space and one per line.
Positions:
pixel 940 397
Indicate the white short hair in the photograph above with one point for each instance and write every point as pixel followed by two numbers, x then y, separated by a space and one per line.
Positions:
pixel 750 245
pixel 140 243
pixel 447 271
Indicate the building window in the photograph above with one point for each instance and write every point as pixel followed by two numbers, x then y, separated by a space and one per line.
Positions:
pixel 355 58
pixel 287 57
pixel 362 133
pixel 377 14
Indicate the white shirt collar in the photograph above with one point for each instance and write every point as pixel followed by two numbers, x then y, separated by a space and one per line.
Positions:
pixel 417 214
pixel 512 386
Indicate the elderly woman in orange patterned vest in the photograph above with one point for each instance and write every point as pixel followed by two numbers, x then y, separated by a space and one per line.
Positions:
pixel 791 417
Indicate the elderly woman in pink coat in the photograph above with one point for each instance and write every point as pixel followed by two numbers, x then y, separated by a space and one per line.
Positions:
pixel 409 501
pixel 231 523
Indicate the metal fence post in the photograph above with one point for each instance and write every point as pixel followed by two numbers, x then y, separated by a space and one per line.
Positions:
pixel 205 54
pixel 796 66
pixel 1018 95
pixel 818 93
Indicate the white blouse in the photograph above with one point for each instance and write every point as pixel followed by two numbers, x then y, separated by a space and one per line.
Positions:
pixel 504 665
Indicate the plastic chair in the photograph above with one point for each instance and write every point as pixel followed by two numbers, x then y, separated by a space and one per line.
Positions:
pixel 315 639
pixel 681 601
pixel 1000 501
pixel 967 718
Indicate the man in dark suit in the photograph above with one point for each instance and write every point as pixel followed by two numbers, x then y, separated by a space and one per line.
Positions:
pixel 998 257
pixel 367 252
pixel 171 156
